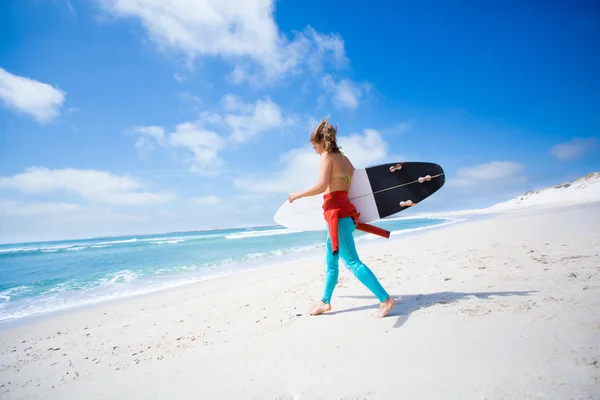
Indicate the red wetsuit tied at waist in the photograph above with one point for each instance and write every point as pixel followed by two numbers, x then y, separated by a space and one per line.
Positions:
pixel 337 205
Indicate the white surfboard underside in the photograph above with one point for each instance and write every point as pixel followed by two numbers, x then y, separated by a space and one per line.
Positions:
pixel 306 214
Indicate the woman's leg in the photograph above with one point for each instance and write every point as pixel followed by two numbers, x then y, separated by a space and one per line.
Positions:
pixel 331 278
pixel 350 257
pixel 331 274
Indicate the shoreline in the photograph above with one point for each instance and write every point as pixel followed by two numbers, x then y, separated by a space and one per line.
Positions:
pixel 308 256
pixel 502 307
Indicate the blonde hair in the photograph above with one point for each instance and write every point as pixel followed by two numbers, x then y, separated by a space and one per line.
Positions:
pixel 325 134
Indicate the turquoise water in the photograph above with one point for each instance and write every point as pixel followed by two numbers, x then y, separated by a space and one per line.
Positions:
pixel 50 276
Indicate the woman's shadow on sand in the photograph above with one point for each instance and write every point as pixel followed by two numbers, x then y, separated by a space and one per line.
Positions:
pixel 407 304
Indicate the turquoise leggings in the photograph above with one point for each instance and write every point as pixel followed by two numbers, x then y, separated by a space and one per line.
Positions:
pixel 350 258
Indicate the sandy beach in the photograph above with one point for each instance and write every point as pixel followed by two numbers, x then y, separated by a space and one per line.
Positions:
pixel 177 176
pixel 502 308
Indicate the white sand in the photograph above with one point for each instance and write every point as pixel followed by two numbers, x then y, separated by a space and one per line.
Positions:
pixel 504 308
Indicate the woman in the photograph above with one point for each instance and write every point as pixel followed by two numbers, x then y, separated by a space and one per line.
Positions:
pixel 335 176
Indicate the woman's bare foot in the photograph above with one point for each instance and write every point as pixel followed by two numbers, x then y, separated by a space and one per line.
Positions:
pixel 386 306
pixel 320 309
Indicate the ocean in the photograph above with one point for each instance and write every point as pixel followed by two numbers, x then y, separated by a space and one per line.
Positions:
pixel 44 277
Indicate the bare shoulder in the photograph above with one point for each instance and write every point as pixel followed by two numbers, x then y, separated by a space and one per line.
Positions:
pixel 326 157
pixel 349 163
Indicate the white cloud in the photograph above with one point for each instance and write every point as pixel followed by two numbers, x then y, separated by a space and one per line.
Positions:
pixel 204 143
pixel 37 99
pixel 245 121
pixel 346 93
pixel 15 208
pixel 157 132
pixel 149 136
pixel 301 165
pixel 94 186
pixel 366 149
pixel 240 31
pixel 494 172
pixel 573 149
pixel 330 45
pixel 210 118
pixel 41 221
pixel 240 123
pixel 232 102
pixel 209 200
pixel 205 171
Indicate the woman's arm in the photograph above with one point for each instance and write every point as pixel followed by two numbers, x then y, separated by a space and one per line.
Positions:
pixel 324 174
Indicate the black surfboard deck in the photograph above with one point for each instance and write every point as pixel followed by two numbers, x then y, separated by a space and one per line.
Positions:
pixel 395 185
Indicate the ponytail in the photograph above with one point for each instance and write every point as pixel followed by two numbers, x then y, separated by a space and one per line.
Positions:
pixel 325 134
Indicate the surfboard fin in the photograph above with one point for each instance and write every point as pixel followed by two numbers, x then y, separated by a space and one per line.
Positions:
pixel 425 178
pixel 396 167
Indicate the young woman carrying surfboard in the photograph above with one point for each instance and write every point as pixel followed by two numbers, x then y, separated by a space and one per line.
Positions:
pixel 334 180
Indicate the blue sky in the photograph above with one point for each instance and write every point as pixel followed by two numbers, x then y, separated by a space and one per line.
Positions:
pixel 134 116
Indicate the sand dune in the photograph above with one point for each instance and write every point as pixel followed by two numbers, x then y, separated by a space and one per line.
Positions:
pixel 584 190
pixel 581 191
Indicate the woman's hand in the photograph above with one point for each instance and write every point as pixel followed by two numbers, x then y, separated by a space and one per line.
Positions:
pixel 294 196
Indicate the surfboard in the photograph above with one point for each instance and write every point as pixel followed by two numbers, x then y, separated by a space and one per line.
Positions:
pixel 377 192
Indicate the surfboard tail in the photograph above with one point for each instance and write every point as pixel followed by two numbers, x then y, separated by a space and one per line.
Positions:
pixel 399 186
